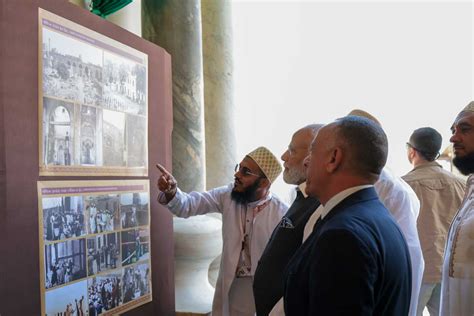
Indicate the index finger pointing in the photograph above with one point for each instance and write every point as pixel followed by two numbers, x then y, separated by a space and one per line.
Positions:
pixel 162 169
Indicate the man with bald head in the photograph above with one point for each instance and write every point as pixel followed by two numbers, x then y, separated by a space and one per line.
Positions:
pixel 356 260
pixel 457 283
pixel 287 235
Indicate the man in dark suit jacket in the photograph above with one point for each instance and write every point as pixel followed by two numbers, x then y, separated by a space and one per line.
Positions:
pixel 288 235
pixel 356 261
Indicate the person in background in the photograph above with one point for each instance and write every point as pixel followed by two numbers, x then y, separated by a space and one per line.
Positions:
pixel 457 281
pixel 440 194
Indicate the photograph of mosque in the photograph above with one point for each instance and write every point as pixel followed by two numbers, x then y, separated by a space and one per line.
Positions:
pixel 93 102
pixel 95 251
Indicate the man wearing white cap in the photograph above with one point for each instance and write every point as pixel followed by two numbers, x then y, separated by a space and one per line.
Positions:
pixel 249 215
pixel 457 282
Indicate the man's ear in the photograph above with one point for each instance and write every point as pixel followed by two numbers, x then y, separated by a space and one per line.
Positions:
pixel 335 160
pixel 264 183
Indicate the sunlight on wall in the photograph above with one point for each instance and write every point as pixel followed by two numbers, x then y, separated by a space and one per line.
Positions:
pixel 409 64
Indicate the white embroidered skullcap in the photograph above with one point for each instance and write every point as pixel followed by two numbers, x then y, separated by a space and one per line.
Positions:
pixel 267 162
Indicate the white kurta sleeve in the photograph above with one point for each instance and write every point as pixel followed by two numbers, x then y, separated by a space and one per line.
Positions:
pixel 197 203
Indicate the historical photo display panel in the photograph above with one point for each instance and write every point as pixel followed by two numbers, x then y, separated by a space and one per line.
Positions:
pixel 94 246
pixel 93 102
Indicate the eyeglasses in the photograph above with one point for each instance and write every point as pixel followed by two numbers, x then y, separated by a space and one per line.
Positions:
pixel 245 171
pixel 408 145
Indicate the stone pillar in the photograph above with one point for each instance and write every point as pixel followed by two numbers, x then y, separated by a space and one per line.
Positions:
pixel 176 26
pixel 219 107
pixel 218 88
pixel 129 17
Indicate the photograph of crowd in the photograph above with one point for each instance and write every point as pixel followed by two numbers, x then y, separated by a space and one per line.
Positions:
pixel 102 213
pixel 63 217
pixel 135 245
pixel 104 293
pixel 72 69
pixel 136 282
pixel 103 253
pixel 58 132
pixel 125 85
pixel 70 300
pixel 134 209
pixel 64 262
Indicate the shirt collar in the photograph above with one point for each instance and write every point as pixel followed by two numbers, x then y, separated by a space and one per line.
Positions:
pixel 336 199
pixel 302 188
pixel 428 164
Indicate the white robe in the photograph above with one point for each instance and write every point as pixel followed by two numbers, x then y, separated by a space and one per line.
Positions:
pixel 457 283
pixel 218 200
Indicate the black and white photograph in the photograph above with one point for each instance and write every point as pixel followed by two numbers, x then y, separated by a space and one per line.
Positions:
pixel 72 69
pixel 135 246
pixel 103 213
pixel 58 132
pixel 136 141
pixel 64 262
pixel 105 292
pixel 91 138
pixel 113 142
pixel 136 282
pixel 125 85
pixel 134 209
pixel 68 300
pixel 63 218
pixel 103 253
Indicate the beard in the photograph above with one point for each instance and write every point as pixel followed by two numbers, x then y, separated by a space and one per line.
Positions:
pixel 248 195
pixel 294 176
pixel 465 164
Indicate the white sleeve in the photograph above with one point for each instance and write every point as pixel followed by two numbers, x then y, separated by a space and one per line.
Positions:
pixel 404 207
pixel 197 203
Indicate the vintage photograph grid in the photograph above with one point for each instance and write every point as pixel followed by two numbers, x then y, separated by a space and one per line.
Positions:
pixel 95 247
pixel 93 102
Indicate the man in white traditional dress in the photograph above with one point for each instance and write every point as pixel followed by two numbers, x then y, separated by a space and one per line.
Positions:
pixel 249 215
pixel 457 284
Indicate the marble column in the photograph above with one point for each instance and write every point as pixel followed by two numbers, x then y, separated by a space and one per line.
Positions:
pixel 218 88
pixel 129 17
pixel 219 107
pixel 176 26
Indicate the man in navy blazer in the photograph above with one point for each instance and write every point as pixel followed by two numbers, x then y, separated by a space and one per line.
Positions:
pixel 356 261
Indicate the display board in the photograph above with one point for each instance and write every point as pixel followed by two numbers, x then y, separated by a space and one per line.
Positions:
pixel 94 246
pixel 93 104
pixel 24 289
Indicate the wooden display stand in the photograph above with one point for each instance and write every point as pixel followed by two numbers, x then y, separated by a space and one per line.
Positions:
pixel 19 159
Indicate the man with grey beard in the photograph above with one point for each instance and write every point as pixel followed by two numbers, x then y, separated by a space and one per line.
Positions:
pixel 287 236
